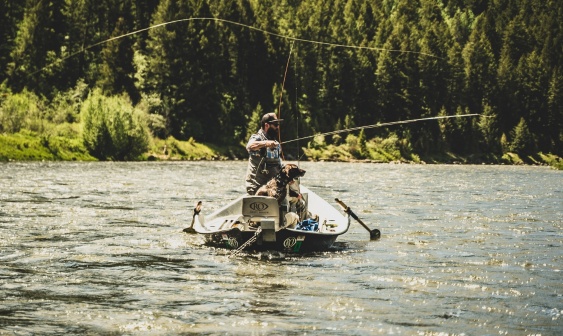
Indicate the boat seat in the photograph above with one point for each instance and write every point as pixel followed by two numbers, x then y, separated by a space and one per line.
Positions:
pixel 259 206
pixel 264 211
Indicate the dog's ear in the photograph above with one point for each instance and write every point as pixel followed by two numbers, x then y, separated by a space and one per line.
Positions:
pixel 295 172
pixel 288 168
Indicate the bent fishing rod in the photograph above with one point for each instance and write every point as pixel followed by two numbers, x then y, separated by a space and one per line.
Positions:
pixel 383 125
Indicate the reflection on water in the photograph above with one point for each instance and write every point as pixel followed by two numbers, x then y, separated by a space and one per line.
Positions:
pixel 98 248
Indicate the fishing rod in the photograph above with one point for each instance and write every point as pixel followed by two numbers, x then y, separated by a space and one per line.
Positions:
pixel 281 95
pixel 384 124
pixel 217 20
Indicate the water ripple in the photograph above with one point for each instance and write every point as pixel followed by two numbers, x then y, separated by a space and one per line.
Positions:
pixel 98 248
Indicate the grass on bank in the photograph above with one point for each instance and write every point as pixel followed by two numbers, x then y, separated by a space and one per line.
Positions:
pixel 64 143
pixel 29 146
pixel 172 149
pixel 393 150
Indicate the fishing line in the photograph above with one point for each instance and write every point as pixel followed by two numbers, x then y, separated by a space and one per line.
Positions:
pixel 384 124
pixel 290 38
pixel 297 114
pixel 281 96
pixel 284 78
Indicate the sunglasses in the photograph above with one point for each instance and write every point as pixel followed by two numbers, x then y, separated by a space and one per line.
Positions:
pixel 274 123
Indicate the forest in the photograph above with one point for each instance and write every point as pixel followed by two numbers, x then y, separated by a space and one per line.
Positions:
pixel 116 80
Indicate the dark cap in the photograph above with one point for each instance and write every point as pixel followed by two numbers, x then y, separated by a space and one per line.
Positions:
pixel 270 118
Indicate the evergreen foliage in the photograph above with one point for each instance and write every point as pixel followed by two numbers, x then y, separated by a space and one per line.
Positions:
pixel 209 80
pixel 523 141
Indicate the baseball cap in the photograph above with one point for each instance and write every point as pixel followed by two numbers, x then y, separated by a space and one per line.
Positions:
pixel 270 118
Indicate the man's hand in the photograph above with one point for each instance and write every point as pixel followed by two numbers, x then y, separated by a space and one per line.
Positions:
pixel 271 143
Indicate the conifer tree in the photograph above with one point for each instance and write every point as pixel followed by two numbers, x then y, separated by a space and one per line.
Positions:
pixel 398 73
pixel 37 46
pixel 533 87
pixel 183 60
pixel 245 63
pixel 488 128
pixel 11 13
pixel 480 66
pixel 555 113
pixel 522 139
pixel 117 57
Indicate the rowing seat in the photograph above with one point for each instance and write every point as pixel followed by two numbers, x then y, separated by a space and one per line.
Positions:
pixel 263 211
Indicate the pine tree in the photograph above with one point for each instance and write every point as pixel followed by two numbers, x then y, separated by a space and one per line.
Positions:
pixel 11 12
pixel 555 112
pixel 522 139
pixel 183 68
pixel 533 85
pixel 488 127
pixel 480 66
pixel 37 47
pixel 117 57
pixel 244 73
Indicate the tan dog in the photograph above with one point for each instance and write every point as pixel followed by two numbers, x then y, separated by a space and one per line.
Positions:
pixel 277 186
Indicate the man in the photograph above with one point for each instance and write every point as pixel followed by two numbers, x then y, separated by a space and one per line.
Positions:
pixel 264 151
pixel 264 162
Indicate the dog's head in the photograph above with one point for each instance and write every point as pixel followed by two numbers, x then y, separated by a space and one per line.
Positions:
pixel 291 171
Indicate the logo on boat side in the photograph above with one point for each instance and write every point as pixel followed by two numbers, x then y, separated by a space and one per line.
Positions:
pixel 232 242
pixel 258 206
pixel 289 242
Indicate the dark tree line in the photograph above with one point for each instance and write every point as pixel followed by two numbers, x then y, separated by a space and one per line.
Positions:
pixel 209 79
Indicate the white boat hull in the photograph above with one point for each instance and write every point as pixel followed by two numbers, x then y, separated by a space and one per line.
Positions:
pixel 237 222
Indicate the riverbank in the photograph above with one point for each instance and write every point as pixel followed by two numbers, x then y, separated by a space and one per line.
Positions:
pixel 29 146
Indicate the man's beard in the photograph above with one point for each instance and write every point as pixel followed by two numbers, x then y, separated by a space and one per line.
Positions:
pixel 272 134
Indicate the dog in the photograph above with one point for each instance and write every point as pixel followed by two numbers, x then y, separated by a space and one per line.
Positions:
pixel 277 186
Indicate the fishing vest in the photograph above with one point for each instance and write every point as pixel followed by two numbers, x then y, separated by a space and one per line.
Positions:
pixel 263 164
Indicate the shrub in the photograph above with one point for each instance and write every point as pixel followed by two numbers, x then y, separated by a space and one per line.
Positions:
pixel 153 107
pixel 353 145
pixel 318 142
pixel 20 110
pixel 65 106
pixel 112 128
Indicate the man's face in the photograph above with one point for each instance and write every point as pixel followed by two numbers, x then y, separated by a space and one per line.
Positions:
pixel 272 130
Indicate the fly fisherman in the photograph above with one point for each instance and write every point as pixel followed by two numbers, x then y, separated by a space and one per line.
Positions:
pixel 264 151
pixel 264 162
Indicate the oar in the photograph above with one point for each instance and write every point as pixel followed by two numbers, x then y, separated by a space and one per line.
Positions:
pixel 197 210
pixel 373 234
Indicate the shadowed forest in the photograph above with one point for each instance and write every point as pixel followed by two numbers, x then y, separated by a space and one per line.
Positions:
pixel 195 87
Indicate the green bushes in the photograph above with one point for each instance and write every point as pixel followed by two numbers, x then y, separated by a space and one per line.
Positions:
pixel 20 110
pixel 112 129
pixel 355 147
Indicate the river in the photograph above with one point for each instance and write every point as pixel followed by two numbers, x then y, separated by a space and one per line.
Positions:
pixel 98 248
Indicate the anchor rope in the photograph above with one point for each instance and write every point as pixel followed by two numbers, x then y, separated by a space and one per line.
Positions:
pixel 247 243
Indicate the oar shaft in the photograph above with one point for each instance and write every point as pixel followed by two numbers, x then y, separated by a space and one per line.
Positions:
pixel 197 210
pixel 351 213
pixel 373 234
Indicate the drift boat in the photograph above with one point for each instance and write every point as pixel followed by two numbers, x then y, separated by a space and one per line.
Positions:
pixel 258 223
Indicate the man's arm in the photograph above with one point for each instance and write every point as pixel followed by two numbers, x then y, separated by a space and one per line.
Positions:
pixel 256 145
